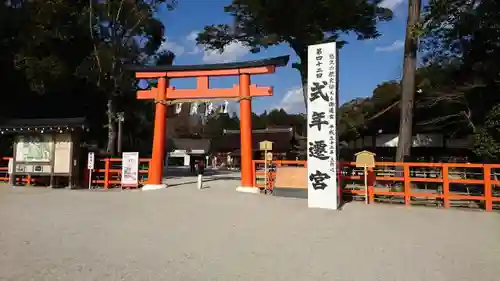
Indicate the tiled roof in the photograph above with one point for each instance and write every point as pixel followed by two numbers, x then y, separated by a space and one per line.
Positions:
pixel 230 141
pixel 14 126
pixel 189 144
pixel 52 122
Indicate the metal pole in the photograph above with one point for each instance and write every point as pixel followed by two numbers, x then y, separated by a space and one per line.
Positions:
pixel 265 170
pixel 200 181
pixel 366 184
pixel 90 179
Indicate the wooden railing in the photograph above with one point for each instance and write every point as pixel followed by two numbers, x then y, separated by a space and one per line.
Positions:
pixel 443 184
pixel 107 173
pixel 4 173
pixel 4 168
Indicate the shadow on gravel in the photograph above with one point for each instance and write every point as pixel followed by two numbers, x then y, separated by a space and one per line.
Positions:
pixel 205 180
pixel 174 173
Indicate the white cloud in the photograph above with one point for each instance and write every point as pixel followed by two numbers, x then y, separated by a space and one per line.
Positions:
pixel 191 40
pixel 396 45
pixel 192 36
pixel 169 45
pixel 391 4
pixel 293 101
pixel 232 52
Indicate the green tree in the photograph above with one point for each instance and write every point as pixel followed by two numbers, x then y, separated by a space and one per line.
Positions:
pixel 122 32
pixel 462 38
pixel 66 57
pixel 262 23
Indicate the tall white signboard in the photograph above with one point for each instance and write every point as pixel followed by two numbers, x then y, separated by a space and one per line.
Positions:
pixel 91 161
pixel 322 126
pixel 90 166
pixel 130 169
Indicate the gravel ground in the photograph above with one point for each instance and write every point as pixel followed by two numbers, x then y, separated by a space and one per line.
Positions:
pixel 182 233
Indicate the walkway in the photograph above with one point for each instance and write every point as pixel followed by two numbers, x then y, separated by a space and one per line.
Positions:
pixel 182 233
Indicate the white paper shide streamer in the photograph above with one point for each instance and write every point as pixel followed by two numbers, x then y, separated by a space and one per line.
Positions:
pixel 209 109
pixel 178 108
pixel 194 109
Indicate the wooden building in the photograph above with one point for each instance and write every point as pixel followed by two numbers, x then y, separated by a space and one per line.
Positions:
pixel 431 143
pixel 181 151
pixel 286 144
pixel 48 149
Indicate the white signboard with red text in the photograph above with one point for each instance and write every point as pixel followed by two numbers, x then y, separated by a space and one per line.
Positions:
pixel 322 102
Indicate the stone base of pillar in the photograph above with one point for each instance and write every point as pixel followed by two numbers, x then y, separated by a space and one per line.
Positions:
pixel 153 187
pixel 248 189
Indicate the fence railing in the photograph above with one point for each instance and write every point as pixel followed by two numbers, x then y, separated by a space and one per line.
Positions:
pixel 4 172
pixel 107 172
pixel 4 168
pixel 442 184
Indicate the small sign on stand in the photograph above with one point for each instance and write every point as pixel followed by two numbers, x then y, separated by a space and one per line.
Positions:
pixel 268 157
pixel 130 169
pixel 365 159
pixel 10 169
pixel 90 166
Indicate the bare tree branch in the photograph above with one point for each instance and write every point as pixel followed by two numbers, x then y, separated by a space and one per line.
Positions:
pixel 96 52
pixel 384 111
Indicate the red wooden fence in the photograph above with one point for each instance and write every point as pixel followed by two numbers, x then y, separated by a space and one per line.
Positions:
pixel 485 186
pixel 484 183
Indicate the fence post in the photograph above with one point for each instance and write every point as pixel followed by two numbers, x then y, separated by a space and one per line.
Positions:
pixel 407 183
pixel 150 162
pixel 106 173
pixel 254 180
pixel 446 186
pixel 371 183
pixel 488 196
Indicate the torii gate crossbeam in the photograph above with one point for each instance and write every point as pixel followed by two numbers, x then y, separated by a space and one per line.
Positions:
pixel 244 91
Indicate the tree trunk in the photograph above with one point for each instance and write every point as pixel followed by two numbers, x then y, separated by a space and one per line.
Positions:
pixel 302 68
pixel 120 136
pixel 111 148
pixel 408 83
pixel 303 78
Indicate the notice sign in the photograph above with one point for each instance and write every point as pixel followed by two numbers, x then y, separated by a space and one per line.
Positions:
pixel 322 126
pixel 130 169
pixel 91 161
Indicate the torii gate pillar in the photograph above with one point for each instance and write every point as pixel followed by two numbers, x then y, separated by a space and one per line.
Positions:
pixel 164 94
pixel 247 172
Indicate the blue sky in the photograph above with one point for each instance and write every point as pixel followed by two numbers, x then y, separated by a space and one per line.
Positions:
pixel 363 64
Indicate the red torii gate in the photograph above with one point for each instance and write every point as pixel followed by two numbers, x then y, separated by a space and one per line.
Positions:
pixel 164 94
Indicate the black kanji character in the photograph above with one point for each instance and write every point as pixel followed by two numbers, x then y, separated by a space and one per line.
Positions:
pixel 317 91
pixel 317 119
pixel 318 179
pixel 317 149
